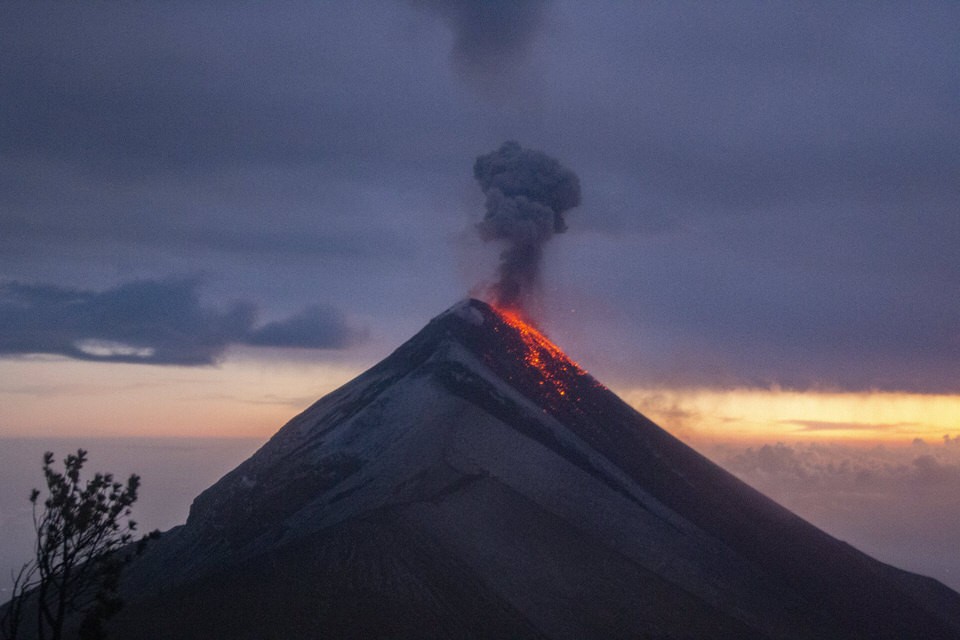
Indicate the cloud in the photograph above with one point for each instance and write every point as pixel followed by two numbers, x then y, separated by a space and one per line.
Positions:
pixel 774 188
pixel 317 327
pixel 898 504
pixel 784 468
pixel 151 322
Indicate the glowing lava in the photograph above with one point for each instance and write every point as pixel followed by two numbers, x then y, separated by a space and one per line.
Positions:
pixel 541 354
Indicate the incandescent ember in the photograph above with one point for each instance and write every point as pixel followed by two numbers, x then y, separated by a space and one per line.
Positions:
pixel 554 366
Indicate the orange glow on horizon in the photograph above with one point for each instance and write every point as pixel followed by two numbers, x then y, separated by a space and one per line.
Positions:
pixel 754 415
pixel 242 398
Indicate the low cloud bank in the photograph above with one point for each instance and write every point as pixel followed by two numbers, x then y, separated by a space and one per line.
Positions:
pixel 898 504
pixel 878 469
pixel 152 322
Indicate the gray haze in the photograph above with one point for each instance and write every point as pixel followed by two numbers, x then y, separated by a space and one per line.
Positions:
pixel 897 504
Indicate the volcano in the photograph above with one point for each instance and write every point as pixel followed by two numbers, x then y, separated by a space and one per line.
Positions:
pixel 477 483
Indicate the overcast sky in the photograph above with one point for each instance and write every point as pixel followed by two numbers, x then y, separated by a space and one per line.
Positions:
pixel 212 213
pixel 770 191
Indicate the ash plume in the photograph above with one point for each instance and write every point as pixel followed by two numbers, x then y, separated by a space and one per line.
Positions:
pixel 527 193
pixel 491 35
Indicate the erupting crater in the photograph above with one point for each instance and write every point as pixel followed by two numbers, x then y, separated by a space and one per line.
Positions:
pixel 541 354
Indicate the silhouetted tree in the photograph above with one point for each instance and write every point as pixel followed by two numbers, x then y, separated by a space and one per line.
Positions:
pixel 84 537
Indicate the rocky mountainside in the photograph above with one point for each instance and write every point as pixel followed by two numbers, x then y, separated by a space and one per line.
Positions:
pixel 478 484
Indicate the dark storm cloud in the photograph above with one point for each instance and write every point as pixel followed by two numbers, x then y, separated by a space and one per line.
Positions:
pixel 489 34
pixel 758 106
pixel 150 322
pixel 313 328
pixel 771 187
pixel 765 302
pixel 183 86
pixel 191 87
pixel 527 192
pixel 205 126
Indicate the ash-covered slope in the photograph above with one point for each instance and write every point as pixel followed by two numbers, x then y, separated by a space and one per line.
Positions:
pixel 477 484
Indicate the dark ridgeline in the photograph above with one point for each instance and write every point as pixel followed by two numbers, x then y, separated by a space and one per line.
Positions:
pixel 475 484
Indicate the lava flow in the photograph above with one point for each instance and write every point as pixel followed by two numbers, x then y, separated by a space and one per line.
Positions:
pixel 554 365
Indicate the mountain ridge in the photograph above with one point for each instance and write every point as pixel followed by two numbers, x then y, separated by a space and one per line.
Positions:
pixel 507 471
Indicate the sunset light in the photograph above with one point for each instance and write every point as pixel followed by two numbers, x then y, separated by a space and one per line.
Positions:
pixel 753 415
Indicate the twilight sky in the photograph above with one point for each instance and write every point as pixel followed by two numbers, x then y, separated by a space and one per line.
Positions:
pixel 770 203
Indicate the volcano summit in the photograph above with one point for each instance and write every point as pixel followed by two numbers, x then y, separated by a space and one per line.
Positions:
pixel 478 484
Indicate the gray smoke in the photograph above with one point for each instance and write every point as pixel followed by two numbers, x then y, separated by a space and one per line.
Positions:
pixel 527 194
pixel 489 34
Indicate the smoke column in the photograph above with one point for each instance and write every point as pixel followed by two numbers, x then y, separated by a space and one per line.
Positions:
pixel 491 37
pixel 527 194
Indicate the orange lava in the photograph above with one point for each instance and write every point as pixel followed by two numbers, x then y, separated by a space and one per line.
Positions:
pixel 542 354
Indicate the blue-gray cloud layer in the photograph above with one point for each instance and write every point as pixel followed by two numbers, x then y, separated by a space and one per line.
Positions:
pixel 770 191
pixel 151 322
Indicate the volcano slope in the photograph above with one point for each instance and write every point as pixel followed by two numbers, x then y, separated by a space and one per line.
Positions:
pixel 478 484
